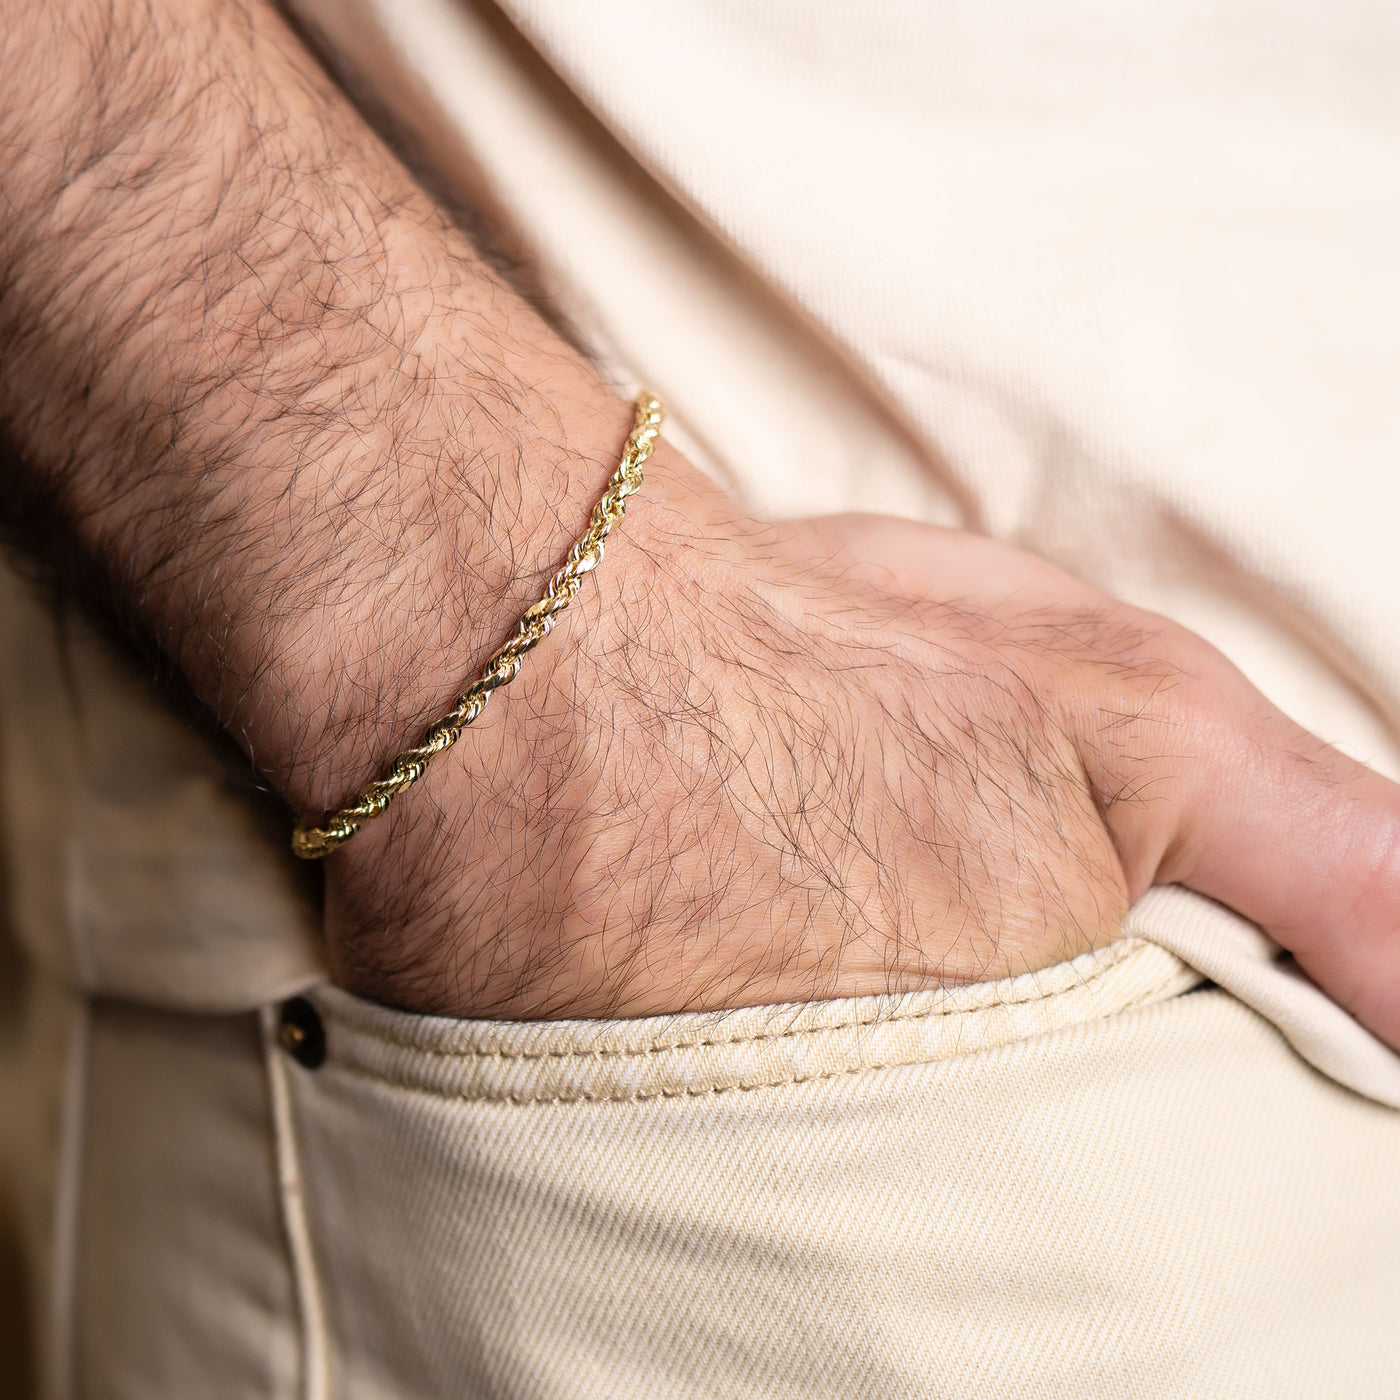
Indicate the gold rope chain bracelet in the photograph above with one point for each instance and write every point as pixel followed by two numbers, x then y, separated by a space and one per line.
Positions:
pixel 313 842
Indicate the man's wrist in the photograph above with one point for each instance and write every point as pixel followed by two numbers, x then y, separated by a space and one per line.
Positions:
pixel 366 671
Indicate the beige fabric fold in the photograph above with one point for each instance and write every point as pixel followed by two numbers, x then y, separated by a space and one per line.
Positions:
pixel 1243 960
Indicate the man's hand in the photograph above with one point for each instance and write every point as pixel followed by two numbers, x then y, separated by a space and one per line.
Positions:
pixel 315 450
pixel 847 756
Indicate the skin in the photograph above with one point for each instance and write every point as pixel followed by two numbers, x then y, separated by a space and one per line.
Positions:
pixel 285 419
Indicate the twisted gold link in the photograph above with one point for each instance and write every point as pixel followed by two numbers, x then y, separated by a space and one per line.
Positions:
pixel 313 842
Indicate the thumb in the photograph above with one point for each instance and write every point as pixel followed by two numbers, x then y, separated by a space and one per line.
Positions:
pixel 1254 811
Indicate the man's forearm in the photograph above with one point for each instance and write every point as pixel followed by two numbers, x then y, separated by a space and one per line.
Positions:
pixel 318 446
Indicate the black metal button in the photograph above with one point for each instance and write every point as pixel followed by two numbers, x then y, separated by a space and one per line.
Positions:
pixel 301 1033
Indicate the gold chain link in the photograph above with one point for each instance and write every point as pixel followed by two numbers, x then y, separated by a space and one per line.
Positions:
pixel 313 842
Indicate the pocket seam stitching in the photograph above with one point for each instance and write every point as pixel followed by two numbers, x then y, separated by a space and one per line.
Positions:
pixel 362 1071
pixel 892 1018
